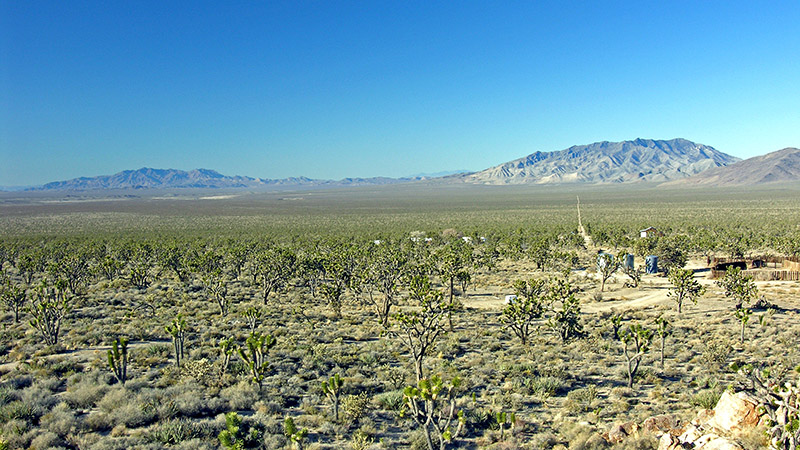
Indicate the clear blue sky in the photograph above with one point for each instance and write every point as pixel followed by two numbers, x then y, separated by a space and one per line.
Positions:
pixel 331 89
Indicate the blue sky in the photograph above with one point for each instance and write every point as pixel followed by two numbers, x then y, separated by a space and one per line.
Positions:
pixel 382 88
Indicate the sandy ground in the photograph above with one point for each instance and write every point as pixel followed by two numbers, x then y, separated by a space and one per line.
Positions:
pixel 652 292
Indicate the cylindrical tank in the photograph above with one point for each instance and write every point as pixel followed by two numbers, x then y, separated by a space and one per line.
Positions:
pixel 602 259
pixel 629 261
pixel 651 264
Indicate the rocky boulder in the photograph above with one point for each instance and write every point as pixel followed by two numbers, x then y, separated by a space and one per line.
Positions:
pixel 712 430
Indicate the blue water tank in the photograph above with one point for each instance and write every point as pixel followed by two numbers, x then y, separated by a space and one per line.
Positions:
pixel 629 261
pixel 602 258
pixel 651 264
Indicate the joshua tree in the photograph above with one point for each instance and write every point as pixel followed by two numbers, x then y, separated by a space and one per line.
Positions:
pixel 273 268
pixel 780 403
pixel 294 435
pixel 685 287
pixel 177 330
pixel 110 267
pixel 521 313
pixel 118 359
pixel 388 268
pixel 454 261
pixel 140 266
pixel 218 290
pixel 502 418
pixel 420 329
pixel 29 262
pixel 73 268
pixel 663 329
pixel 743 315
pixel 235 435
pixel 738 287
pixel 255 355
pixel 226 350
pixel 339 265
pixel 566 321
pixel 432 406
pixel 636 342
pixel 615 321
pixel 177 259
pixel 49 307
pixel 14 297
pixel 607 265
pixel 252 316
pixel 333 294
pixel 634 273
pixel 331 387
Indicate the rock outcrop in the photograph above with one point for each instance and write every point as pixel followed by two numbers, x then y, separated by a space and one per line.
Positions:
pixel 710 430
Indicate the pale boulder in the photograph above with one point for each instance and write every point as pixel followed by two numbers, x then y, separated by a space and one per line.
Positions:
pixel 735 412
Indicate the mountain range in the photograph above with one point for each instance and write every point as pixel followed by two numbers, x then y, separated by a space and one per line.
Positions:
pixel 676 162
pixel 147 178
pixel 607 162
pixel 780 166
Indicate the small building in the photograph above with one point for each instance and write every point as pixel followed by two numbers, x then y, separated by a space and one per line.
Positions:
pixel 650 232
pixel 510 299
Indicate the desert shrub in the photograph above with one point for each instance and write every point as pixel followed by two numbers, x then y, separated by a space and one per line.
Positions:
pixel 133 415
pixel 716 352
pixel 7 395
pixel 267 408
pixel 582 437
pixel 85 394
pixel 61 420
pixel 392 400
pixel 354 407
pixel 19 382
pixel 200 370
pixel 241 395
pixel 16 433
pixel 706 399
pixel 39 396
pixel 545 440
pixel 191 401
pixel 18 410
pixel 120 407
pixel 46 440
pixel 638 442
pixel 582 399
pixel 544 387
pixel 171 432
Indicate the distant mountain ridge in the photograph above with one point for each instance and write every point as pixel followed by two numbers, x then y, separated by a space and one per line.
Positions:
pixel 600 162
pixel 148 178
pixel 782 166
pixel 607 162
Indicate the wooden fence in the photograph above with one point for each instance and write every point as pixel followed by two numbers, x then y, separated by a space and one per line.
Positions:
pixel 791 264
pixel 763 274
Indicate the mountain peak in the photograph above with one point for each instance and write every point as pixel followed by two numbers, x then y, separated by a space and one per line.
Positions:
pixel 607 162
